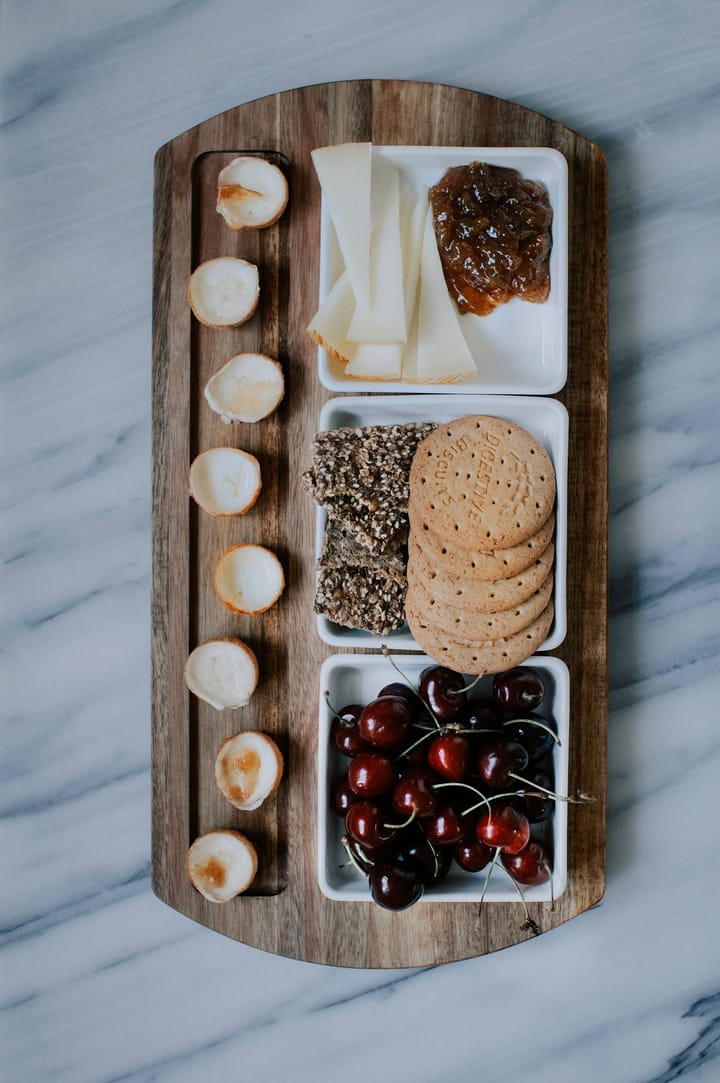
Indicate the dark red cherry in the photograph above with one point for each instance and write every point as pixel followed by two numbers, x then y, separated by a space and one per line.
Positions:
pixel 537 809
pixel 404 691
pixel 363 859
pixel 444 692
pixel 341 796
pixel 433 863
pixel 534 738
pixel 449 756
pixel 344 732
pixel 529 865
pixel 444 827
pixel 416 758
pixel 350 714
pixel 414 793
pixel 371 775
pixel 505 826
pixel 470 853
pixel 480 714
pixel 386 722
pixel 442 861
pixel 497 758
pixel 365 823
pixel 395 887
pixel 519 689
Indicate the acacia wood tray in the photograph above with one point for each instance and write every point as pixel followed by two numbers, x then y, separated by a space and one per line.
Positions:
pixel 284 911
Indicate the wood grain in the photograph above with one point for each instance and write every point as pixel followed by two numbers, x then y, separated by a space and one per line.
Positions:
pixel 285 911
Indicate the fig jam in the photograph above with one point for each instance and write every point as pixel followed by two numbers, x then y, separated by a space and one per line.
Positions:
pixel 494 234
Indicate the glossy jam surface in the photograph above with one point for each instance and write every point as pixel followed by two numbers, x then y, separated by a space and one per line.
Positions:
pixel 494 234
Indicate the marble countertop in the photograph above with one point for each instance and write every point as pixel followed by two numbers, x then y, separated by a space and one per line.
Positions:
pixel 99 981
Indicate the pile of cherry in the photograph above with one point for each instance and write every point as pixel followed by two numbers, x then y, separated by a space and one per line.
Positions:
pixel 437 775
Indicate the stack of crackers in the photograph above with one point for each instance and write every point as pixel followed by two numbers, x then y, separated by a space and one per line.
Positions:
pixel 361 479
pixel 481 549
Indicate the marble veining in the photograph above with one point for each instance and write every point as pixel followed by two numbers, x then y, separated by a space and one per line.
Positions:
pixel 99 981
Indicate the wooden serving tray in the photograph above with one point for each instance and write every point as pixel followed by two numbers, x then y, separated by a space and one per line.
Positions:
pixel 284 911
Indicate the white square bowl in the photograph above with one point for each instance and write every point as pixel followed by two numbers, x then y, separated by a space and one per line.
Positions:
pixel 521 348
pixel 546 419
pixel 357 678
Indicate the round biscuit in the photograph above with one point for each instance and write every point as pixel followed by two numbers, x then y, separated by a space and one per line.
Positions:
pixel 493 656
pixel 485 482
pixel 444 555
pixel 472 624
pixel 477 594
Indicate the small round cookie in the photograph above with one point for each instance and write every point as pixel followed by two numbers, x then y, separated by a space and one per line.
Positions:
pixel 477 594
pixel 482 657
pixel 472 625
pixel 444 555
pixel 483 481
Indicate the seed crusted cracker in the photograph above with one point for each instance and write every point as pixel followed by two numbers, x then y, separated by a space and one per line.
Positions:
pixel 357 597
pixel 377 531
pixel 341 550
pixel 371 465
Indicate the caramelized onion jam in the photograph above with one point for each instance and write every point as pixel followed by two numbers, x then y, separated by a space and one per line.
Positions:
pixel 494 234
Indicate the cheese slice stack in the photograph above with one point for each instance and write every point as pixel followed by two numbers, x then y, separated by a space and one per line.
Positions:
pixel 383 320
pixel 345 174
pixel 330 323
pixel 389 315
pixel 443 355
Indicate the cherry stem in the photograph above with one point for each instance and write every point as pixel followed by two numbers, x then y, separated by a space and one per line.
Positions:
pixel 399 827
pixel 465 786
pixel 548 870
pixel 435 858
pixel 467 688
pixel 386 654
pixel 485 885
pixel 452 727
pixel 529 923
pixel 495 797
pixel 535 722
pixel 353 860
pixel 344 721
pixel 407 751
pixel 456 729
pixel 579 799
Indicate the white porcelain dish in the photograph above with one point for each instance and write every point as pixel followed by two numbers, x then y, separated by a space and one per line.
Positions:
pixel 357 678
pixel 521 349
pixel 546 419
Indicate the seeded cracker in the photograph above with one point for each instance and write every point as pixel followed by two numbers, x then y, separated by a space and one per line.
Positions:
pixel 361 478
pixel 371 465
pixel 377 531
pixel 361 598
pixel 341 550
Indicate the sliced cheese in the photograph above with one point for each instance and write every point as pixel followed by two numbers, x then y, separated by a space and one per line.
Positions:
pixel 410 353
pixel 383 320
pixel 376 361
pixel 413 209
pixel 345 173
pixel 443 355
pixel 329 325
pixel 413 213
